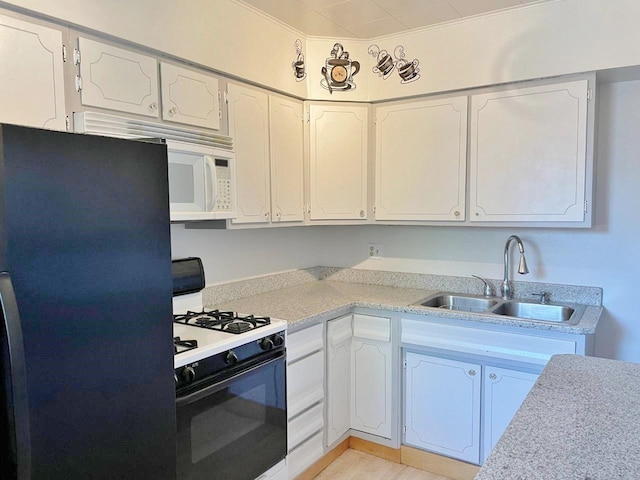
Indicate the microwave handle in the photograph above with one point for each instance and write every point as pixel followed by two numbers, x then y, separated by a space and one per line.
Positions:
pixel 211 183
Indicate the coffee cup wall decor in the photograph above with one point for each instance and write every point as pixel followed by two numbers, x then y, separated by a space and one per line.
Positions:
pixel 408 71
pixel 298 64
pixel 338 70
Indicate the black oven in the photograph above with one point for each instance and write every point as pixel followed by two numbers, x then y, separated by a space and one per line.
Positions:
pixel 231 414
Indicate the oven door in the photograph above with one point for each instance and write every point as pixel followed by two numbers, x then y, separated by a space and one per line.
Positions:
pixel 235 428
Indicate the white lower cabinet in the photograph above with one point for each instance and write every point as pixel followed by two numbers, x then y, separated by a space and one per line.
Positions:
pixel 305 398
pixel 371 375
pixel 442 406
pixel 504 392
pixel 339 338
pixel 359 376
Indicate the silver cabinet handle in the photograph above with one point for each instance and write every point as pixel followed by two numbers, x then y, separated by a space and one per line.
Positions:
pixel 472 373
pixel 493 376
pixel 173 111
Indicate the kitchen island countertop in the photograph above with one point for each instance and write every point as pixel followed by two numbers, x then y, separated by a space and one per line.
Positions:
pixel 579 422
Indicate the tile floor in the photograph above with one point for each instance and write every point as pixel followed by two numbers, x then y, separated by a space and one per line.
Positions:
pixel 355 465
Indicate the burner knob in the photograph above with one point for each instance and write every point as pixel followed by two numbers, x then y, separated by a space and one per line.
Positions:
pixel 231 358
pixel 278 339
pixel 266 343
pixel 188 374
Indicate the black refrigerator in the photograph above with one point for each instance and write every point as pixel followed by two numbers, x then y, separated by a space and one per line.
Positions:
pixel 87 388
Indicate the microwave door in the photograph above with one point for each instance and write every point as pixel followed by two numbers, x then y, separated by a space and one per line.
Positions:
pixel 187 185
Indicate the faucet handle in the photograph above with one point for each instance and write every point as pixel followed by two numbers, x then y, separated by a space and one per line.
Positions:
pixel 488 289
pixel 544 297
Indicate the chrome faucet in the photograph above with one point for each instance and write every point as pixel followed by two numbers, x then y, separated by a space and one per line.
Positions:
pixel 522 266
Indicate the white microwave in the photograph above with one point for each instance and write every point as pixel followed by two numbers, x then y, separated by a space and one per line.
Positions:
pixel 202 182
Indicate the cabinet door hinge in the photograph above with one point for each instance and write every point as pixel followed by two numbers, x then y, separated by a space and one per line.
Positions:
pixel 589 94
pixel 67 123
pixel 220 115
pixel 375 119
pixel 308 116
pixel 586 206
pixel 404 429
pixel 64 53
pixel 404 363
pixel 76 56
pixel 78 83
pixel 226 97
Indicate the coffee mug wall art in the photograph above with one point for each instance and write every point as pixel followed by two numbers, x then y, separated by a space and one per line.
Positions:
pixel 338 70
pixel 386 64
pixel 298 66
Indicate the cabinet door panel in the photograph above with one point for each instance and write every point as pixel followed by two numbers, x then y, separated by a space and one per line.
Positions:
pixel 338 378
pixel 421 160
pixel 528 154
pixel 118 79
pixel 338 162
pixel 442 406
pixel 189 97
pixel 249 128
pixel 31 79
pixel 287 157
pixel 504 392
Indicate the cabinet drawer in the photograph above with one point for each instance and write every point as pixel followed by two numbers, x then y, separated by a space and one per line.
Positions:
pixel 304 342
pixel 506 345
pixel 372 328
pixel 303 457
pixel 305 425
pixel 305 383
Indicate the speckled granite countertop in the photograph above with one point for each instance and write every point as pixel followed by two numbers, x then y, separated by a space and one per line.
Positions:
pixel 320 300
pixel 581 421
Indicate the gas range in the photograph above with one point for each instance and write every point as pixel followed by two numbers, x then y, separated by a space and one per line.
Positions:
pixel 204 333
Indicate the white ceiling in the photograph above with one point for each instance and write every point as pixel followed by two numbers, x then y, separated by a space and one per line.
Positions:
pixel 373 18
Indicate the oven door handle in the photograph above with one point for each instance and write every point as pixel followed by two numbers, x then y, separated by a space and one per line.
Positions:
pixel 213 388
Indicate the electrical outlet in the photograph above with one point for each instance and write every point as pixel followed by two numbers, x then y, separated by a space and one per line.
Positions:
pixel 375 250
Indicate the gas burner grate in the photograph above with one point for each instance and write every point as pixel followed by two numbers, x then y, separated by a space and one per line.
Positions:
pixel 229 322
pixel 180 346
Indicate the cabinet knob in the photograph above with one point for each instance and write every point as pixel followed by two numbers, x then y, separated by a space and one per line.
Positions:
pixel 266 214
pixel 278 215
pixel 493 376
pixel 456 213
pixel 472 373
pixel 173 111
pixel 361 213
pixel 153 106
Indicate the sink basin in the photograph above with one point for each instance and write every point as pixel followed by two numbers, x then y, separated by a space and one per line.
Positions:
pixel 535 311
pixel 466 303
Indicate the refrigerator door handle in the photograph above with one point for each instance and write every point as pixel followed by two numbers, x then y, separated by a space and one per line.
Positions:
pixel 16 374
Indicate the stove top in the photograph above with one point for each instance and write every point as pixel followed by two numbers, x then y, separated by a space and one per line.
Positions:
pixel 229 322
pixel 204 333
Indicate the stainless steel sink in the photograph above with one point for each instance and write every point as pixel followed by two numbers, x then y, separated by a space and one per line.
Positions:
pixel 452 301
pixel 535 311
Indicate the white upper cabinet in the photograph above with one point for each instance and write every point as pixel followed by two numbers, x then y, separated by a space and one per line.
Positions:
pixel 189 97
pixel 249 128
pixel 268 134
pixel 287 158
pixel 31 78
pixel 421 160
pixel 528 155
pixel 117 79
pixel 338 162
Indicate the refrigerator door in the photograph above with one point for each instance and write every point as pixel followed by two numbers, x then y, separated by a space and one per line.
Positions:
pixel 86 238
pixel 16 462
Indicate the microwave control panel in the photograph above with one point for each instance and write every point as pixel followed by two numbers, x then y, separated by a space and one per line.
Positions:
pixel 224 199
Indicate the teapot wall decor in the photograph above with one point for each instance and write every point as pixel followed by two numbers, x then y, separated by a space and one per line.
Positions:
pixel 298 64
pixel 339 70
pixel 408 71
